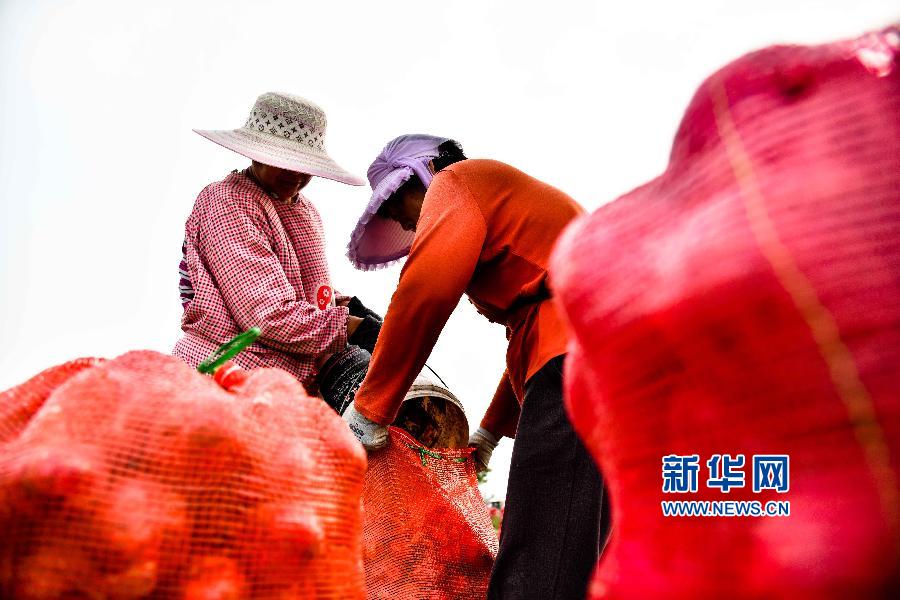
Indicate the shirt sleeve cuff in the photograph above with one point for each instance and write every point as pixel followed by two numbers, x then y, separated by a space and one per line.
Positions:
pixel 375 417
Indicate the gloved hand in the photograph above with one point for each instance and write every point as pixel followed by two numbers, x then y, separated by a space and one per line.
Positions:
pixel 484 443
pixel 370 434
pixel 358 309
pixel 366 333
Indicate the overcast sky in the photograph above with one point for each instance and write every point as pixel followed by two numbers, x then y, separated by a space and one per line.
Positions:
pixel 99 167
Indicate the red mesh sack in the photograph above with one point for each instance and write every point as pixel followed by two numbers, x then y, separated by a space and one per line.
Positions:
pixel 19 404
pixel 426 530
pixel 747 302
pixel 140 478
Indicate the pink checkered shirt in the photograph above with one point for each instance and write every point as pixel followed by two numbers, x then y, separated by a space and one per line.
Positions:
pixel 255 261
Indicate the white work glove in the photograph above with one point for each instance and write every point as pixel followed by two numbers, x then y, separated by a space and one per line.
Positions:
pixel 484 443
pixel 370 434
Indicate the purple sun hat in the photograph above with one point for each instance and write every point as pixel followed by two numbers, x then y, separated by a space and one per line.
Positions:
pixel 377 242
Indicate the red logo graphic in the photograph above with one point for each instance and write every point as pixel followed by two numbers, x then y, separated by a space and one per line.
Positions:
pixel 323 296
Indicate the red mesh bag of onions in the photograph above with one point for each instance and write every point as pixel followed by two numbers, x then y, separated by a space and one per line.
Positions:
pixel 747 303
pixel 140 478
pixel 427 532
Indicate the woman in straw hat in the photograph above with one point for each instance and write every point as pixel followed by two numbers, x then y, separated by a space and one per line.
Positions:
pixel 484 229
pixel 254 247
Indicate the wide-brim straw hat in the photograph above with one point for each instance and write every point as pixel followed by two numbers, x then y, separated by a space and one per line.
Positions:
pixel 287 132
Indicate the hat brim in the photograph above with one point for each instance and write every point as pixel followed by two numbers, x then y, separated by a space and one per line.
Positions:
pixel 377 242
pixel 284 154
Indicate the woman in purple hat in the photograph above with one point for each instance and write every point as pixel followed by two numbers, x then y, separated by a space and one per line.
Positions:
pixel 484 229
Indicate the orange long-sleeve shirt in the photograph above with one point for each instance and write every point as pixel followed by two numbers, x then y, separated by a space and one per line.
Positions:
pixel 486 230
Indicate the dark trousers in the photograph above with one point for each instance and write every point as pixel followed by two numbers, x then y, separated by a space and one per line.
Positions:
pixel 550 539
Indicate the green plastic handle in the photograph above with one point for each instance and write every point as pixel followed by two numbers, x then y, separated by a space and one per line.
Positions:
pixel 228 350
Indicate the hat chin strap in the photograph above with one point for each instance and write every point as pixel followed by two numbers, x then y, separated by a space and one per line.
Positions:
pixel 418 165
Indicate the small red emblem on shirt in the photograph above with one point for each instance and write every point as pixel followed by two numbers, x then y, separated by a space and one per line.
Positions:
pixel 323 296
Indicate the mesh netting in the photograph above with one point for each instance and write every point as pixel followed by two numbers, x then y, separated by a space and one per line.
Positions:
pixel 749 303
pixel 426 531
pixel 19 404
pixel 140 478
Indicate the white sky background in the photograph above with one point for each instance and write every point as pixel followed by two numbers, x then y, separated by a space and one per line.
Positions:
pixel 99 167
